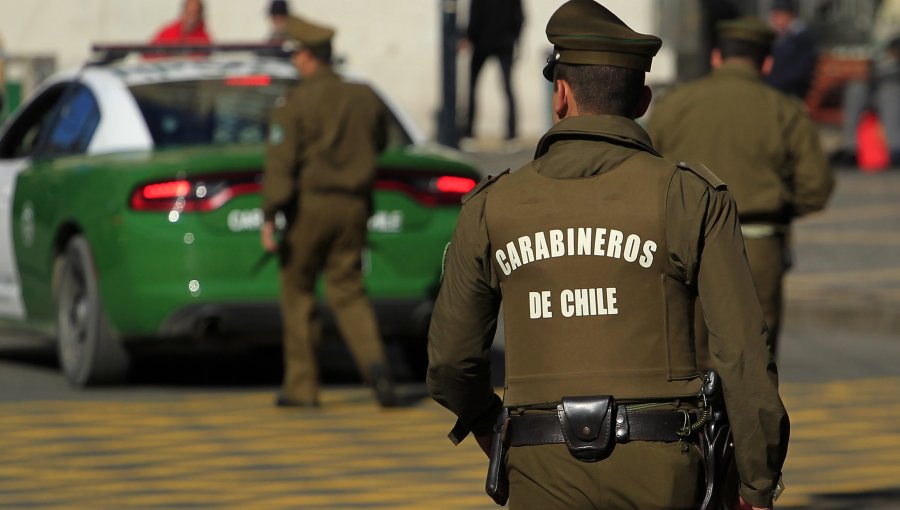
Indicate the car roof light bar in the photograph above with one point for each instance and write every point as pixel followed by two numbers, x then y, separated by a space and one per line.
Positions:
pixel 107 53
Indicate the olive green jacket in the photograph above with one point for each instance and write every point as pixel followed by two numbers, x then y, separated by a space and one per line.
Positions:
pixel 756 139
pixel 704 245
pixel 324 136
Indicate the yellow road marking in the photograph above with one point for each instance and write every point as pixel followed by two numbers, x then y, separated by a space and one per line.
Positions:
pixel 236 451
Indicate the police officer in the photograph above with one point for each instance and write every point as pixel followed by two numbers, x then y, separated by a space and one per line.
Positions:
pixel 759 141
pixel 596 250
pixel 324 138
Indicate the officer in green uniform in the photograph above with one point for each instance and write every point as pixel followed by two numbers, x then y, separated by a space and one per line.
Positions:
pixel 759 141
pixel 597 250
pixel 324 138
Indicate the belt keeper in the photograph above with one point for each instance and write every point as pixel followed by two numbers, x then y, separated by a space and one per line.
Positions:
pixel 622 428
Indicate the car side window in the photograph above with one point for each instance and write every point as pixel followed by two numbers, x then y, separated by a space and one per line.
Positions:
pixel 21 139
pixel 74 124
pixel 396 135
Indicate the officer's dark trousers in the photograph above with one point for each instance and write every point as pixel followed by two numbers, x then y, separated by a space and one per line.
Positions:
pixel 640 475
pixel 479 56
pixel 328 236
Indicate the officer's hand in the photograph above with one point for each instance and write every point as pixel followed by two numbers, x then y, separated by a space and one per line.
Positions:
pixel 743 505
pixel 485 443
pixel 267 236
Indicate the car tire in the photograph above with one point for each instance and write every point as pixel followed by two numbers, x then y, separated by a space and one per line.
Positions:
pixel 90 352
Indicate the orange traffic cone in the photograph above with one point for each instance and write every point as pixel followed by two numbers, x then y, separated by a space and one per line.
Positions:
pixel 871 145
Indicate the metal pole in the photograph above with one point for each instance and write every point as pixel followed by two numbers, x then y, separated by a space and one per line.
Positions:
pixel 447 132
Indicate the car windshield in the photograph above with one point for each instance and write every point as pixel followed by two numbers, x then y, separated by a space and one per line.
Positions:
pixel 233 110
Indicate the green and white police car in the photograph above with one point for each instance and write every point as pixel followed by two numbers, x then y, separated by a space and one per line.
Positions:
pixel 129 211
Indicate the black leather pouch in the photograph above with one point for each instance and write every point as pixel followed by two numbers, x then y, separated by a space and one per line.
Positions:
pixel 587 427
pixel 497 483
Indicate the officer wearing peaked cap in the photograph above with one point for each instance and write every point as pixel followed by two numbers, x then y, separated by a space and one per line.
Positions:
pixel 324 138
pixel 597 251
pixel 759 141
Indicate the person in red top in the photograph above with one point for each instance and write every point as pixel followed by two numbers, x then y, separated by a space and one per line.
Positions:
pixel 187 29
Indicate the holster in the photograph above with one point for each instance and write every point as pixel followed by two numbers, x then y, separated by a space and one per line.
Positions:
pixel 497 483
pixel 717 447
pixel 586 424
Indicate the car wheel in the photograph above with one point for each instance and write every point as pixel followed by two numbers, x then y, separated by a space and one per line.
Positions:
pixel 89 350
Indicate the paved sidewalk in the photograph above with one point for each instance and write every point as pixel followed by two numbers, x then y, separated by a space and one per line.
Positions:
pixel 847 258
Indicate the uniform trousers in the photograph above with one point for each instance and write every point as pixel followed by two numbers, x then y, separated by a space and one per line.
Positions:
pixel 327 237
pixel 767 259
pixel 641 475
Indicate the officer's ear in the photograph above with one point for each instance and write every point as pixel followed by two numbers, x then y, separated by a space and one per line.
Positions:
pixel 643 102
pixel 767 65
pixel 563 101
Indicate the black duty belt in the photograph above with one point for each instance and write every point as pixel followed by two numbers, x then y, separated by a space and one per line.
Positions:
pixel 644 425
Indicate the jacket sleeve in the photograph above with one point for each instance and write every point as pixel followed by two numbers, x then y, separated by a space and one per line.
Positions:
pixel 279 184
pixel 737 334
pixel 812 177
pixel 462 328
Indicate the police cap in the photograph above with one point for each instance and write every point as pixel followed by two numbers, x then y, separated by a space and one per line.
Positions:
pixel 785 5
pixel 584 32
pixel 748 28
pixel 307 34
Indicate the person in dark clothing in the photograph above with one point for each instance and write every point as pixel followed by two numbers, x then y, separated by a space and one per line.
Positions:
pixel 795 51
pixel 494 28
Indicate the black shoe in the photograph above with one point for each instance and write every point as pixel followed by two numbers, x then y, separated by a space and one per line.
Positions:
pixel 283 401
pixel 383 386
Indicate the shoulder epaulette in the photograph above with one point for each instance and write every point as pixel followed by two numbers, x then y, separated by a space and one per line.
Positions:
pixel 487 181
pixel 702 171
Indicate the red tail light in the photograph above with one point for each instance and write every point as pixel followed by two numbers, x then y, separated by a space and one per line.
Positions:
pixel 425 188
pixel 163 190
pixel 201 193
pixel 255 80
pixel 453 184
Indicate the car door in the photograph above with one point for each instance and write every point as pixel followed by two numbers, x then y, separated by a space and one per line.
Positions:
pixel 18 144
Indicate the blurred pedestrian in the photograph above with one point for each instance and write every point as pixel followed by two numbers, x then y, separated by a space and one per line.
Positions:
pixel 278 16
pixel 493 31
pixel 324 138
pixel 879 92
pixel 759 141
pixel 596 250
pixel 795 52
pixel 189 28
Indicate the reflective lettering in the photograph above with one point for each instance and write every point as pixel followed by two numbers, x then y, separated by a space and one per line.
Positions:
pixel 632 247
pixel 584 241
pixel 501 261
pixel 539 305
pixel 647 257
pixel 614 249
pixel 557 247
pixel 525 250
pixel 514 261
pixel 599 241
pixel 540 247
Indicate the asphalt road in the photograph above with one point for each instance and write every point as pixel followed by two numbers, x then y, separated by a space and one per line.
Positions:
pixel 199 429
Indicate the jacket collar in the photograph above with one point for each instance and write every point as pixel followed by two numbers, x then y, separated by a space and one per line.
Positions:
pixel 609 128
pixel 323 73
pixel 738 69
